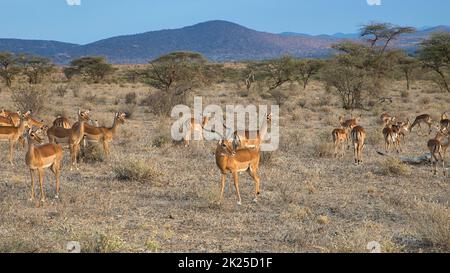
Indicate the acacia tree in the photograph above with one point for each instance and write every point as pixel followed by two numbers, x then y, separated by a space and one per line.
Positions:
pixel 174 75
pixel 434 54
pixel 307 69
pixel 278 71
pixel 35 68
pixel 92 69
pixel 407 65
pixel 8 67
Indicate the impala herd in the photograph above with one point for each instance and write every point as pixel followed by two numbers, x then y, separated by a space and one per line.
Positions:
pixel 394 133
pixel 236 152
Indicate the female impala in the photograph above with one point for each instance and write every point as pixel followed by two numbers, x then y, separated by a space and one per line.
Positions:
pixel 15 117
pixel 237 161
pixel 445 122
pixel 194 126
pixel 103 134
pixel 72 136
pixel 31 121
pixel 62 122
pixel 252 139
pixel 41 157
pixel 438 149
pixel 340 136
pixel 386 119
pixel 6 121
pixel 12 134
pixel 358 137
pixel 391 137
pixel 350 123
pixel 423 119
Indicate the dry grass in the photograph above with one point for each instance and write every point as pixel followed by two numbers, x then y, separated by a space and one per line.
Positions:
pixel 152 195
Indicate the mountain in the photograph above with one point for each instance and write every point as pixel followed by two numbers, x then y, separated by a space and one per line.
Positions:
pixel 217 40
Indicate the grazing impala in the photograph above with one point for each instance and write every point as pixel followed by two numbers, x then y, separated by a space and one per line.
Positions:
pixel 12 134
pixel 340 136
pixel 423 119
pixel 39 158
pixel 438 148
pixel 386 119
pixel 445 122
pixel 350 123
pixel 62 122
pixel 252 139
pixel 391 137
pixel 358 138
pixel 194 126
pixel 72 137
pixel 104 135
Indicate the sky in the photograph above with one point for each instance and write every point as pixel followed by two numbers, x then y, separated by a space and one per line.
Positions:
pixel 85 21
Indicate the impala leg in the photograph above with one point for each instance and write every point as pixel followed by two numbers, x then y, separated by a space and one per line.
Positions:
pixel 32 184
pixel 236 185
pixel 355 148
pixel 56 171
pixel 11 148
pixel 41 183
pixel 222 189
pixel 106 148
pixel 254 175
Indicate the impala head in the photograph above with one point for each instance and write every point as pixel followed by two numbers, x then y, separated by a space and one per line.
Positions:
pixel 3 113
pixel 226 147
pixel 120 117
pixel 34 136
pixel 84 115
pixel 444 116
pixel 27 114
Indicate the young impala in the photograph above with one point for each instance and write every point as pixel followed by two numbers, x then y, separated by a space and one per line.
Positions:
pixel 340 136
pixel 423 119
pixel 253 139
pixel 41 157
pixel 72 137
pixel 12 134
pixel 438 148
pixel 358 138
pixel 31 121
pixel 104 135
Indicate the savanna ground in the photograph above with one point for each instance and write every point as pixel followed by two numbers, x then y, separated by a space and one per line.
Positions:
pixel 310 201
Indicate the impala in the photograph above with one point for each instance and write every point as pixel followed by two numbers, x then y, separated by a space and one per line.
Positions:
pixel 194 126
pixel 235 162
pixel 62 122
pixel 391 137
pixel 72 136
pixel 12 134
pixel 445 122
pixel 423 119
pixel 438 149
pixel 340 136
pixel 358 138
pixel 350 123
pixel 386 119
pixel 253 139
pixel 31 121
pixel 41 157
pixel 14 116
pixel 6 121
pixel 104 135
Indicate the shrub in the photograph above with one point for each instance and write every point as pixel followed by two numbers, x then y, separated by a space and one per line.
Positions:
pixel 61 90
pixel 93 153
pixel 136 170
pixel 131 98
pixel 432 223
pixel 394 167
pixel 323 150
pixel 29 98
pixel 160 141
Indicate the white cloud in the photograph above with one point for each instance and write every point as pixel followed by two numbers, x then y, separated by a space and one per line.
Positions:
pixel 374 2
pixel 73 2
